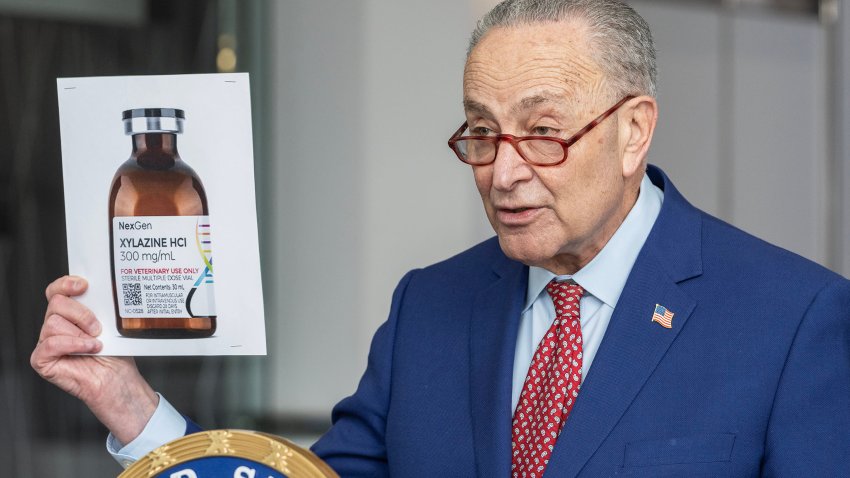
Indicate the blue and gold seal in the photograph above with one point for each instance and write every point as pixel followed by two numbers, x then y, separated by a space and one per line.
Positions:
pixel 230 454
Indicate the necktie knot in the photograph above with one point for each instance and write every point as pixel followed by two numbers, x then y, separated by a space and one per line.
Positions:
pixel 565 296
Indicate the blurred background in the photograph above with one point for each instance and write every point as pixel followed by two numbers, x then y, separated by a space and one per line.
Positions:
pixel 353 103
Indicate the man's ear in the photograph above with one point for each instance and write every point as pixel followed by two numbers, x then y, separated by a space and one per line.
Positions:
pixel 636 118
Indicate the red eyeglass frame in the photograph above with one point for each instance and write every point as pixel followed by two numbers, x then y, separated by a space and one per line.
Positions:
pixel 515 140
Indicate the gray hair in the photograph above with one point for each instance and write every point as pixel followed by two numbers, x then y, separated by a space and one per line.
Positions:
pixel 621 40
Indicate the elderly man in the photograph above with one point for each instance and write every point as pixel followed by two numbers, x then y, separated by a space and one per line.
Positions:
pixel 610 329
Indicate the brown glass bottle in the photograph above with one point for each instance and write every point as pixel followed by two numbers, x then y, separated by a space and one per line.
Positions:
pixel 152 186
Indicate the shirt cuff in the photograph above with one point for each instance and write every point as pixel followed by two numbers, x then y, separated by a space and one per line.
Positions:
pixel 165 424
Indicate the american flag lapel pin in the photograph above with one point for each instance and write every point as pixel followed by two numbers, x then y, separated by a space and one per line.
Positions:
pixel 663 316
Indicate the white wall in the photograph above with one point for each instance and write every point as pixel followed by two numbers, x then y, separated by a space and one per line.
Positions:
pixel 420 203
pixel 743 123
pixel 778 132
pixel 366 95
pixel 316 76
pixel 840 198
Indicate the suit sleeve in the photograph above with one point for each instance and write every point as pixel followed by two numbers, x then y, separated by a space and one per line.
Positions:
pixel 355 446
pixel 809 429
pixel 191 427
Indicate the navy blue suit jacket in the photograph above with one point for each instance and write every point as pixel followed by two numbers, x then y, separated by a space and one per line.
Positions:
pixel 753 379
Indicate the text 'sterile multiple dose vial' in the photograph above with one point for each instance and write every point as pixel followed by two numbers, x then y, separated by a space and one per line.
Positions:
pixel 159 235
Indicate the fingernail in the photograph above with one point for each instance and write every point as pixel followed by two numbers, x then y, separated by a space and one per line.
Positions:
pixel 96 329
pixel 75 284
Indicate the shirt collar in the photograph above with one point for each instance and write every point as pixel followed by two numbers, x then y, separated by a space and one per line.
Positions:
pixel 605 275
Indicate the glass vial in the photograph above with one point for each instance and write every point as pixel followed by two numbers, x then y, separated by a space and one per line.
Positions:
pixel 159 235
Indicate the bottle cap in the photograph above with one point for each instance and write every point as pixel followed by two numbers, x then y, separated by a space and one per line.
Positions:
pixel 153 120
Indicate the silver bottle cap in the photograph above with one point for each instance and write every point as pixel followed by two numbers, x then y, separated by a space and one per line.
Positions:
pixel 153 120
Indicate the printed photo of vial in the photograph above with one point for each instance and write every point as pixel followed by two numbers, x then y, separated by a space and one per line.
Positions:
pixel 160 235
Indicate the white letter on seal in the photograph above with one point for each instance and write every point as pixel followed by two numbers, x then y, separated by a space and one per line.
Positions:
pixel 187 473
pixel 244 472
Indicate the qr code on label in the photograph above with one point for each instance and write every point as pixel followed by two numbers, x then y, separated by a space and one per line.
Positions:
pixel 132 293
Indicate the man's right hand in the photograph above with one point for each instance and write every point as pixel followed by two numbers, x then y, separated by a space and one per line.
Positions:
pixel 111 386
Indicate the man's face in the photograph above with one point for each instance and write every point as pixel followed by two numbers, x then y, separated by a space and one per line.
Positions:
pixel 539 79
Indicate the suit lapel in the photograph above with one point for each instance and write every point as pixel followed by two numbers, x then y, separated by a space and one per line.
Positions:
pixel 633 345
pixel 631 350
pixel 493 329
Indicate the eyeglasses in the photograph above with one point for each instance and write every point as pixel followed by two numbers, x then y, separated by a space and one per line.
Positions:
pixel 536 150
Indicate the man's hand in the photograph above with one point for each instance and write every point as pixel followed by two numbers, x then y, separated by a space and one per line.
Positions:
pixel 111 386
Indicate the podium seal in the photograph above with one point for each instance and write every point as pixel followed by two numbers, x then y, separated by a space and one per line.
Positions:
pixel 230 454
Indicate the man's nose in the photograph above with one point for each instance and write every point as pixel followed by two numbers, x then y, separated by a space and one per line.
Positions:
pixel 509 168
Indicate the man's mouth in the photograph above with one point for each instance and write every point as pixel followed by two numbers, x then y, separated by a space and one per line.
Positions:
pixel 517 216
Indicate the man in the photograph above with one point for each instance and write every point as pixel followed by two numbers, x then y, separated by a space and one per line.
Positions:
pixel 699 350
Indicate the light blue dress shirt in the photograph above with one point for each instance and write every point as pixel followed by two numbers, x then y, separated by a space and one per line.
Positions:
pixel 165 425
pixel 603 280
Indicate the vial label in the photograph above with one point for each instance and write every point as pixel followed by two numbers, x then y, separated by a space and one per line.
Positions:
pixel 163 266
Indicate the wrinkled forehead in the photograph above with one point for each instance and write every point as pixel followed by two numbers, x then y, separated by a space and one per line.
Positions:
pixel 510 64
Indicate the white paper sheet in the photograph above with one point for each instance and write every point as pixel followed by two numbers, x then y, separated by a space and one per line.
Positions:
pixel 217 144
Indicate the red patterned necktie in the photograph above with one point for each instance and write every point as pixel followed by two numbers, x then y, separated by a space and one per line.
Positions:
pixel 551 386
